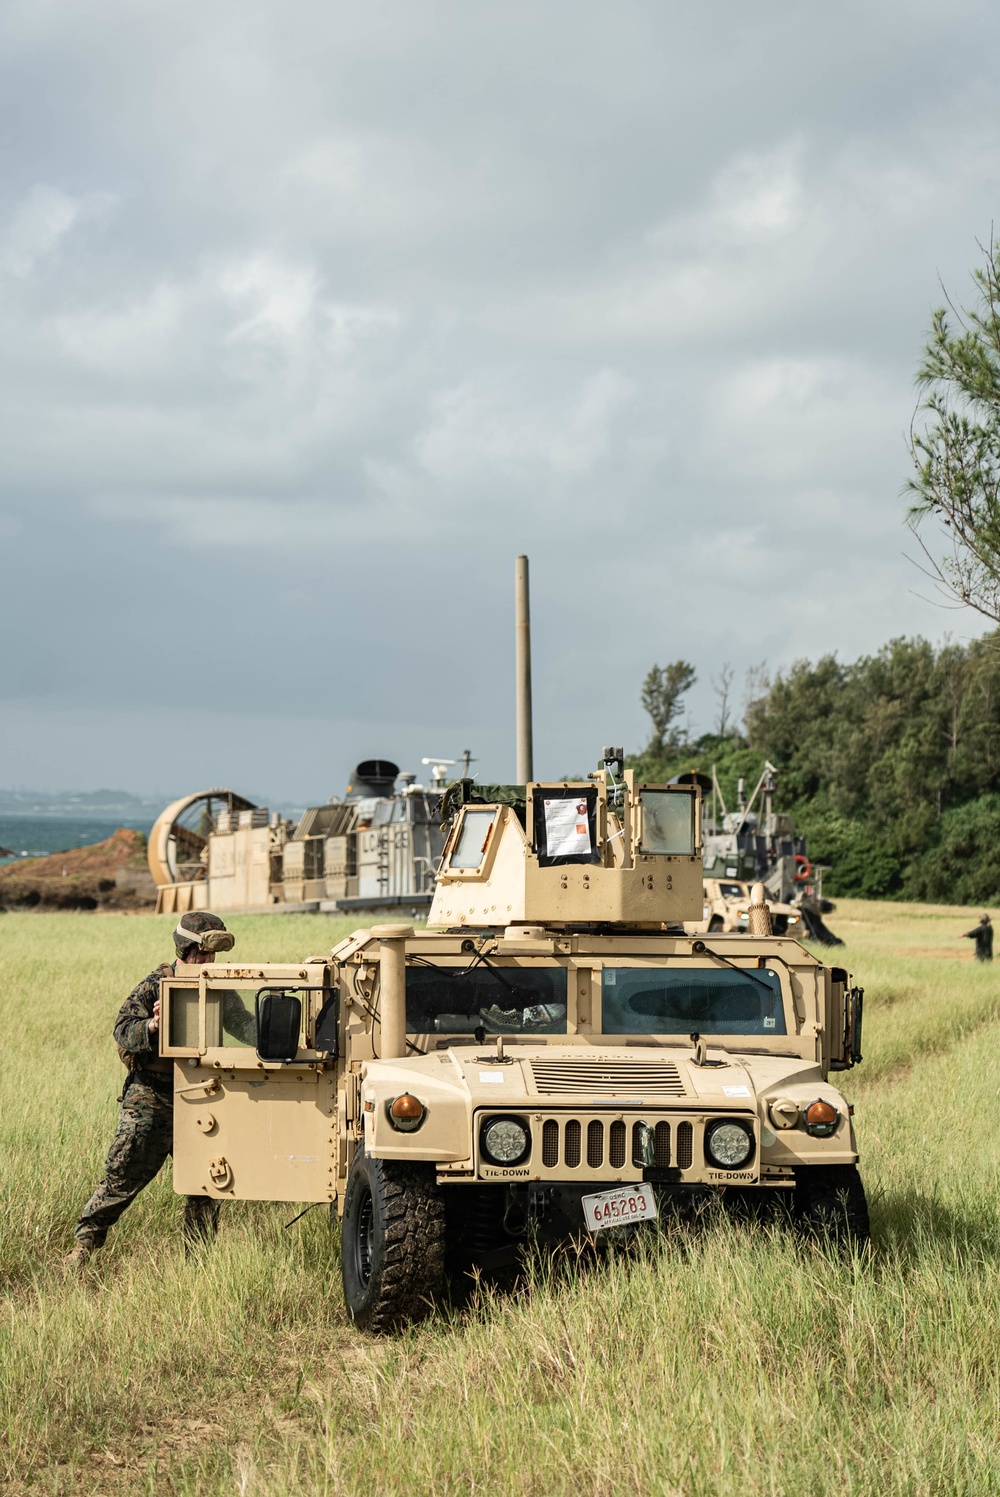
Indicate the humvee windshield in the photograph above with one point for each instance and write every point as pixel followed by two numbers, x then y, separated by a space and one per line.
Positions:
pixel 732 891
pixel 499 1000
pixel 639 1000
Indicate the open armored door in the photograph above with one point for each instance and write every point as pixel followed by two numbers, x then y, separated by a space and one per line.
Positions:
pixel 255 1103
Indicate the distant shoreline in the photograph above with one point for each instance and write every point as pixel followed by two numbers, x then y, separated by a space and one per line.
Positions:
pixel 36 834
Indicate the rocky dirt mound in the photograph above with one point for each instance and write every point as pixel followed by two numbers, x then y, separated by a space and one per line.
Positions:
pixel 111 875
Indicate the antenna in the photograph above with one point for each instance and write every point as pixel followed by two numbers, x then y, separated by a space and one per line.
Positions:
pixel 524 770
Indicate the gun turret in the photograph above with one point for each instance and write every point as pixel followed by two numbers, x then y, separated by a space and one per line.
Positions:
pixel 567 853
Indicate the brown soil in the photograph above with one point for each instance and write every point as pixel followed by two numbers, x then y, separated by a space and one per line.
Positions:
pixel 111 875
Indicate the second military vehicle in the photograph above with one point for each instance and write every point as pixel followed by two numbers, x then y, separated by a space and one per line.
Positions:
pixel 748 846
pixel 727 907
pixel 552 1057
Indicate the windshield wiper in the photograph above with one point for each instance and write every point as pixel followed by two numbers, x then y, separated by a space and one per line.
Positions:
pixel 482 960
pixel 699 946
pixel 520 993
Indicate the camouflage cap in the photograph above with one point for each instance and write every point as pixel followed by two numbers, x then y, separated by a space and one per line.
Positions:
pixel 204 931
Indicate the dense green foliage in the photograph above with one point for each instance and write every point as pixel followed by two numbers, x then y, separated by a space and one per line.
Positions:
pixel 890 766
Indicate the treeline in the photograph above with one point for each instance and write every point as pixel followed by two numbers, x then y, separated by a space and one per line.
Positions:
pixel 890 765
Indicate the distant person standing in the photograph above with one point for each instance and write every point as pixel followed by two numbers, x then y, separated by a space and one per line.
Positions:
pixel 982 934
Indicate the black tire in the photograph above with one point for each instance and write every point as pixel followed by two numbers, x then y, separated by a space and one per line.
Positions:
pixel 715 925
pixel 830 1205
pixel 392 1243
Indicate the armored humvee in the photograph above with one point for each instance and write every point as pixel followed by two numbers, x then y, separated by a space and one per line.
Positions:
pixel 727 907
pixel 553 1056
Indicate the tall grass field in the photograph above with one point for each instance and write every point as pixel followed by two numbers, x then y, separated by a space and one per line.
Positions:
pixel 725 1357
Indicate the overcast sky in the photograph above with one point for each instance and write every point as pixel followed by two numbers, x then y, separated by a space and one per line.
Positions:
pixel 312 316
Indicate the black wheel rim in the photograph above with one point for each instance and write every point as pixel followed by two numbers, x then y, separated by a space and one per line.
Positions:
pixel 363 1236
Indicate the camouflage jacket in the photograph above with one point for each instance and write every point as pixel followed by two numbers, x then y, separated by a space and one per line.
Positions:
pixel 140 1050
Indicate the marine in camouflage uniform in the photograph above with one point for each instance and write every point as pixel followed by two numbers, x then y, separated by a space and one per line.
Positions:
pixel 982 934
pixel 144 1137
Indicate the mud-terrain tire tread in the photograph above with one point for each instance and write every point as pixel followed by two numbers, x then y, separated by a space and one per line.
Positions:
pixel 830 1203
pixel 408 1273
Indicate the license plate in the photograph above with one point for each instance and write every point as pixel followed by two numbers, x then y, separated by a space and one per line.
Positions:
pixel 619 1208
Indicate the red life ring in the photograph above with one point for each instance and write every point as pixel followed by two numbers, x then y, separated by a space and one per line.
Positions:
pixel 803 868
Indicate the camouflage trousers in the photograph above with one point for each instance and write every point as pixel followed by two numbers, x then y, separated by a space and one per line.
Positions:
pixel 142 1142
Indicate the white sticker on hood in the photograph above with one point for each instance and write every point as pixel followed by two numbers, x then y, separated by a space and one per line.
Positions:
pixel 736 1091
pixel 494 1076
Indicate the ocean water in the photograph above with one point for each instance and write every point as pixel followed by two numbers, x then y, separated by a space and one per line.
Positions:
pixel 34 836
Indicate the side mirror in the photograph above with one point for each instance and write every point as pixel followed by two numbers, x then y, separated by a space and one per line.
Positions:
pixel 279 1024
pixel 857 1013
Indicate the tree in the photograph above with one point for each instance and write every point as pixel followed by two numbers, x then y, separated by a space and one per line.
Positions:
pixel 661 697
pixel 956 451
pixel 723 689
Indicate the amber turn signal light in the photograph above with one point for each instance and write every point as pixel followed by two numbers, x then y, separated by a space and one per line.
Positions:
pixel 821 1119
pixel 406 1112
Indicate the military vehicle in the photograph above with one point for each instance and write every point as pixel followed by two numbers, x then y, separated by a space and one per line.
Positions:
pixel 727 907
pixel 552 1057
pixel 748 846
pixel 376 849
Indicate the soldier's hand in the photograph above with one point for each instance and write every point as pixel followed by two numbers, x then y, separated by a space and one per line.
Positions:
pixel 154 1022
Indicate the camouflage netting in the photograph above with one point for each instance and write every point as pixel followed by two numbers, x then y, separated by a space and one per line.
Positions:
pixel 468 792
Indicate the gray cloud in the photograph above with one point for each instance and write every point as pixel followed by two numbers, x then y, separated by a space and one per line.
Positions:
pixel 311 320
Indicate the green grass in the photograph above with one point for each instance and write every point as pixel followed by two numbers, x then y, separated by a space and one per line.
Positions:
pixel 725 1359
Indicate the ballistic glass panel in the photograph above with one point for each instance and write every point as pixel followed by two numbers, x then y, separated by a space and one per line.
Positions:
pixel 667 821
pixel 184 1018
pixel 470 849
pixel 637 1000
pixel 495 999
pixel 229 1018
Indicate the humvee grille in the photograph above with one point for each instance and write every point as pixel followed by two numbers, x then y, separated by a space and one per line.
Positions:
pixel 613 1138
pixel 566 1142
pixel 660 1078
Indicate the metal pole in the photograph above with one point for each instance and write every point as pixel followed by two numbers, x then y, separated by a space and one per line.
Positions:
pixel 522 671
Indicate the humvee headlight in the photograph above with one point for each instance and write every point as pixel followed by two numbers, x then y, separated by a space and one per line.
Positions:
pixel 406 1113
pixel 505 1140
pixel 728 1144
pixel 821 1119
